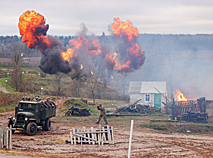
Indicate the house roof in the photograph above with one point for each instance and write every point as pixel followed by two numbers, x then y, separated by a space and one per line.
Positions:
pixel 137 87
pixel 149 87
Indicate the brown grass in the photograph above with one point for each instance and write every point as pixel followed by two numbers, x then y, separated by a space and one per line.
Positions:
pixel 7 99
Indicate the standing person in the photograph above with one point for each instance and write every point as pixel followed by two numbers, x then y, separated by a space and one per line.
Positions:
pixel 102 113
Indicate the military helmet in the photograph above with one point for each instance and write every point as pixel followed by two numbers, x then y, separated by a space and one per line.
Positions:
pixel 48 98
pixel 28 98
pixel 22 98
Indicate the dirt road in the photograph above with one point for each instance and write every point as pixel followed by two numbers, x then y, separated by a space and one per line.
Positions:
pixel 145 142
pixel 3 89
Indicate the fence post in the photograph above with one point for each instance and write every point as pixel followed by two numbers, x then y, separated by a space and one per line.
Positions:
pixel 84 134
pixel 173 109
pixel 10 141
pixel 1 138
pixel 113 142
pixel 73 129
pixel 92 135
pixel 130 138
pixel 78 130
pixel 4 135
pixel 6 131
pixel 71 137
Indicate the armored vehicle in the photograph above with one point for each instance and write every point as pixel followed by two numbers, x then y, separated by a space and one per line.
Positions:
pixel 31 114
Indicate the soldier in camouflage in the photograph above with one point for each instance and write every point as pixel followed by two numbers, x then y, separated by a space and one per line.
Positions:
pixel 102 113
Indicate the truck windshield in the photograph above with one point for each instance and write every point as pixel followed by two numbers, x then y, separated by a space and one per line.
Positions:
pixel 26 105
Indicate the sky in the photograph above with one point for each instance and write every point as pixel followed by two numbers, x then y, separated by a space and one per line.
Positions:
pixel 149 16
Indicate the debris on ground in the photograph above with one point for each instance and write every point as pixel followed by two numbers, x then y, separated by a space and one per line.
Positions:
pixel 192 116
pixel 78 112
pixel 135 108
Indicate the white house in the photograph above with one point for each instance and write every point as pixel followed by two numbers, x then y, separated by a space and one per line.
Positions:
pixel 150 93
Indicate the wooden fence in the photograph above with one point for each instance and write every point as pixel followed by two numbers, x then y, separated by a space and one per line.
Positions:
pixel 100 136
pixel 5 137
pixel 180 108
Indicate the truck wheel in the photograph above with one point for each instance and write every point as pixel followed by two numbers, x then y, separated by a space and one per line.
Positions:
pixel 43 125
pixel 31 128
pixel 47 124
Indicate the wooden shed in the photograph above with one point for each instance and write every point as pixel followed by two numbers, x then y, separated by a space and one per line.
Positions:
pixel 150 93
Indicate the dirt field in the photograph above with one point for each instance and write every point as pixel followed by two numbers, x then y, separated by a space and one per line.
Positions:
pixel 145 142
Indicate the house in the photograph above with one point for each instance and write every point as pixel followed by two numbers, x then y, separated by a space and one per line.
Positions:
pixel 150 93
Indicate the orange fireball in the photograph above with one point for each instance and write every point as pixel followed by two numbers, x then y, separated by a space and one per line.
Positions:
pixel 68 54
pixel 33 29
pixel 134 56
pixel 124 29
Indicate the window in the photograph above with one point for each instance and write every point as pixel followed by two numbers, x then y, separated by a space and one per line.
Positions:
pixel 20 106
pixel 147 97
pixel 36 108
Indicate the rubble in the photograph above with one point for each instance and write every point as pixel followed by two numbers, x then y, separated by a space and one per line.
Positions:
pixel 135 108
pixel 78 112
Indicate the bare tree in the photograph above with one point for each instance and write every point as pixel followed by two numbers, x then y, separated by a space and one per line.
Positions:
pixel 16 74
pixel 78 82
pixel 94 88
pixel 58 85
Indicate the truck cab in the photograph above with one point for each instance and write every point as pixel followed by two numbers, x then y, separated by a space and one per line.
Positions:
pixel 31 114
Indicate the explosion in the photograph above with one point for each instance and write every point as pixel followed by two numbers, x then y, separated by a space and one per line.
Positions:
pixel 125 56
pixel 33 29
pixel 131 56
pixel 128 57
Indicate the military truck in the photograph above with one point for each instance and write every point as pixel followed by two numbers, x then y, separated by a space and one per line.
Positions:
pixel 31 114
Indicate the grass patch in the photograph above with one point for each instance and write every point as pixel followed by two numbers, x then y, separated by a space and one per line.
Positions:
pixel 193 128
pixel 155 127
pixel 9 107
pixel 3 82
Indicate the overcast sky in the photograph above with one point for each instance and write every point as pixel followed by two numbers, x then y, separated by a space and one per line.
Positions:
pixel 149 16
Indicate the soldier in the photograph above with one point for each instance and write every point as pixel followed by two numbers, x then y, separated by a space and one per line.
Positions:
pixel 47 102
pixel 22 98
pixel 102 113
